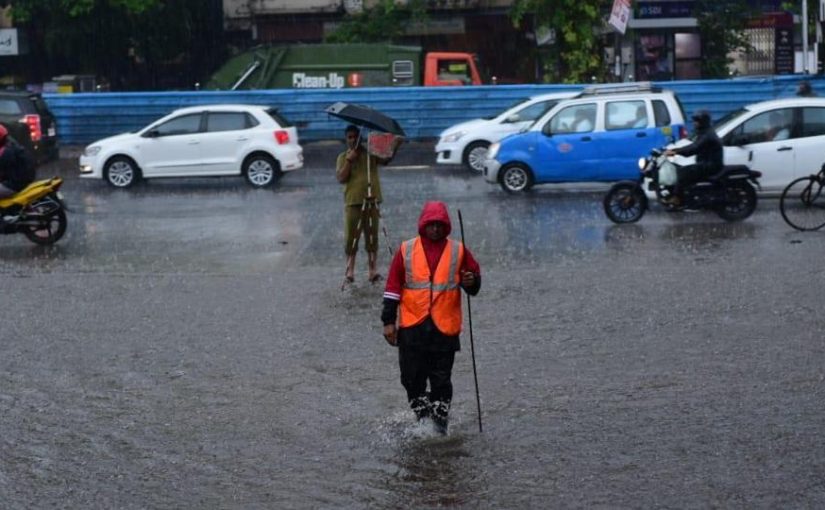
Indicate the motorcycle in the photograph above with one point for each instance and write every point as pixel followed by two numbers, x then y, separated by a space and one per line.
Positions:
pixel 731 193
pixel 37 211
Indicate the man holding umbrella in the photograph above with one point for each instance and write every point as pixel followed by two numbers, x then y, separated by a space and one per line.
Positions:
pixel 357 170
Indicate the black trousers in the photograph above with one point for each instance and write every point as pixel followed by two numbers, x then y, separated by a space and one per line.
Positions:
pixel 420 366
pixel 689 175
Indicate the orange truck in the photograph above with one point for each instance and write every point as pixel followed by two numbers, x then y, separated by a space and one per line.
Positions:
pixel 314 66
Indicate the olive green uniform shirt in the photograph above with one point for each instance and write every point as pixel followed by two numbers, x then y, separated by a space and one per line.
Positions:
pixel 355 189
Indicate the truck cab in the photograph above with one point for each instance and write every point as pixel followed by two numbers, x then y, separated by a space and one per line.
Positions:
pixel 450 69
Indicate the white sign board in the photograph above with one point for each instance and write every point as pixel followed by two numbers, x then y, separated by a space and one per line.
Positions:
pixel 619 15
pixel 8 42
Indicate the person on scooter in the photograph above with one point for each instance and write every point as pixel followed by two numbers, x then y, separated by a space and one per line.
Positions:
pixel 709 156
pixel 15 171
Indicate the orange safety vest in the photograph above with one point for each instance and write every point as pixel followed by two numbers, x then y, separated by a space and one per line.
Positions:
pixel 438 295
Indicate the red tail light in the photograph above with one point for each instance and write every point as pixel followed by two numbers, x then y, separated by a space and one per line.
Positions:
pixel 33 121
pixel 282 136
pixel 683 132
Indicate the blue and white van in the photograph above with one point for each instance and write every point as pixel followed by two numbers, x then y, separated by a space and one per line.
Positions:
pixel 597 136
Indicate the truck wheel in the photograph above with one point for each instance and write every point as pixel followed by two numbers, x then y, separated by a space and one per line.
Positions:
pixel 474 156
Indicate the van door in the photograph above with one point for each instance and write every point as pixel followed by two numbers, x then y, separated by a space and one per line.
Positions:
pixel 629 134
pixel 568 150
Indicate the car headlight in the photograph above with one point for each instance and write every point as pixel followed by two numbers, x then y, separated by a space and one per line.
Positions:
pixel 454 137
pixel 492 152
pixel 91 150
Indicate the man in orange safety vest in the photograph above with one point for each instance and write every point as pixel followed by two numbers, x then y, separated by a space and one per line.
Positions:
pixel 422 311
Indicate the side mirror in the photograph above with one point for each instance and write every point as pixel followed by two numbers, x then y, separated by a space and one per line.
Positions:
pixel 513 118
pixel 152 133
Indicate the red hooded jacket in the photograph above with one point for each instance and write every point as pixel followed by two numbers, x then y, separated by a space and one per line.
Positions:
pixel 431 212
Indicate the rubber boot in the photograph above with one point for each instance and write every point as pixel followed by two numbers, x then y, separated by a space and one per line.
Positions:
pixel 421 407
pixel 440 414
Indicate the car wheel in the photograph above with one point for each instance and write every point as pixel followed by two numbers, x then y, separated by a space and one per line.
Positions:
pixel 474 156
pixel 261 170
pixel 516 177
pixel 121 172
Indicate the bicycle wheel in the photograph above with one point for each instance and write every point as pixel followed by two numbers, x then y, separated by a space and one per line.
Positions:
pixel 802 203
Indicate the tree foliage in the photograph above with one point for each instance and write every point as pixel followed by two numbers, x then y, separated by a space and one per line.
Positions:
pixel 124 41
pixel 722 26
pixel 384 22
pixel 577 50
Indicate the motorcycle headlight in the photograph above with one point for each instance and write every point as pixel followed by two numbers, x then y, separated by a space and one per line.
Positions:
pixel 92 150
pixel 454 137
pixel 492 152
pixel 642 163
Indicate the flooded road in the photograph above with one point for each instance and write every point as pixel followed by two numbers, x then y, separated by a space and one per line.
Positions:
pixel 187 345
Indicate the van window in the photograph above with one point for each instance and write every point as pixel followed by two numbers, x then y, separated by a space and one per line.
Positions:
pixel 660 113
pixel 580 118
pixel 625 115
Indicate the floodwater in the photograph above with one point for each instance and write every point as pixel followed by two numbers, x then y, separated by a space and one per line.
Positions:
pixel 187 345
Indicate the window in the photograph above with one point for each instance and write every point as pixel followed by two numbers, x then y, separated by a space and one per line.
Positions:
pixel 229 121
pixel 454 70
pixel 767 127
pixel 580 118
pixel 625 115
pixel 661 113
pixel 184 125
pixel 402 72
pixel 9 107
pixel 533 112
pixel 813 121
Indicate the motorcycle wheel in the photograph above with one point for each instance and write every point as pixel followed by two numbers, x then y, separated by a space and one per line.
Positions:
pixel 49 231
pixel 740 202
pixel 625 203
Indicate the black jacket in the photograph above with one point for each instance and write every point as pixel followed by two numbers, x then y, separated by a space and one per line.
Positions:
pixel 16 172
pixel 708 150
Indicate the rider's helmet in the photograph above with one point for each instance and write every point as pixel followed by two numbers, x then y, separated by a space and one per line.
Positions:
pixel 4 134
pixel 702 119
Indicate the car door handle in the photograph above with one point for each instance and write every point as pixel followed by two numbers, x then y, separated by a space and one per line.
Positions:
pixel 641 134
pixel 193 142
pixel 586 139
pixel 783 149
pixel 242 139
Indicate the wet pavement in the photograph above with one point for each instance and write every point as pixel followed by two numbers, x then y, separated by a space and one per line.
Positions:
pixel 187 345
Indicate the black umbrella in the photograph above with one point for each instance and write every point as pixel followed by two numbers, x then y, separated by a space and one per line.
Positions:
pixel 365 116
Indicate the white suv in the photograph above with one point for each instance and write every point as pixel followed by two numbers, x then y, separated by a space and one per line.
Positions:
pixel 466 143
pixel 206 140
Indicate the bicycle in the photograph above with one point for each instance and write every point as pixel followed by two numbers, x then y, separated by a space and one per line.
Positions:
pixel 802 203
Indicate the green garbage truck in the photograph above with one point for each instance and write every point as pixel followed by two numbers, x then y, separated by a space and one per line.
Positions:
pixel 313 66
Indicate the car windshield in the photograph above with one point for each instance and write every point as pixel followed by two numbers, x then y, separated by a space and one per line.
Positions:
pixel 519 102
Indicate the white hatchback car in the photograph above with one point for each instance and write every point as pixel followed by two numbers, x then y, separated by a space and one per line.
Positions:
pixel 466 143
pixel 782 138
pixel 206 140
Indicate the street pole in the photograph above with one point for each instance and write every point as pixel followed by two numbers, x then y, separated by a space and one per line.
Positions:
pixel 805 36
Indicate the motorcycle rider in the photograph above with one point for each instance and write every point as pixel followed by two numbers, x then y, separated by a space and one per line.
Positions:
pixel 15 171
pixel 709 156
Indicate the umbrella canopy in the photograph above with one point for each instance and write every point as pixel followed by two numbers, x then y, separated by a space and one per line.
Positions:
pixel 365 116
